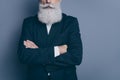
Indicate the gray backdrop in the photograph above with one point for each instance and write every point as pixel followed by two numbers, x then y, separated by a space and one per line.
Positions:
pixel 99 22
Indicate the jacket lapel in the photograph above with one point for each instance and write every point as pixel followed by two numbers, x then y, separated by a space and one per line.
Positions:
pixel 53 34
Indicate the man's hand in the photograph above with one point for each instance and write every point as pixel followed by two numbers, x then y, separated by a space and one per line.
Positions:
pixel 30 44
pixel 62 49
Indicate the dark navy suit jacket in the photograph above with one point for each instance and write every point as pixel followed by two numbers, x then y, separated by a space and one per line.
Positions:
pixel 41 60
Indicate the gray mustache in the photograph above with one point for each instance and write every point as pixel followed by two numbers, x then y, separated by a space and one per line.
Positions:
pixel 47 6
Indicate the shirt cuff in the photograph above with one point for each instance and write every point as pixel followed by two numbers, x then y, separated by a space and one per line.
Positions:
pixel 56 51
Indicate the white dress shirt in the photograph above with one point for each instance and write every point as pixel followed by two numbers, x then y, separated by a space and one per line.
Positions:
pixel 56 49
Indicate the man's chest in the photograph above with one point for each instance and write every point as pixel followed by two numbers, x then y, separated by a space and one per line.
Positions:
pixel 50 36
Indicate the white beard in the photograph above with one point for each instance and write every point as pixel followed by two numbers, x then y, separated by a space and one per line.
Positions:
pixel 50 15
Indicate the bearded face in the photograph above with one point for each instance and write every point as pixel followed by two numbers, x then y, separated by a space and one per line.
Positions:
pixel 49 12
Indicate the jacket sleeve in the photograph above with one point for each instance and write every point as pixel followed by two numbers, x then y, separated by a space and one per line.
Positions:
pixel 74 53
pixel 33 55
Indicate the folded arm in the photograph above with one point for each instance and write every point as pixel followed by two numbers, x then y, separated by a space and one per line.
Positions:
pixel 74 53
pixel 33 55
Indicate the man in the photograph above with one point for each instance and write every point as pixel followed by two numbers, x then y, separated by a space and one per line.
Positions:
pixel 50 43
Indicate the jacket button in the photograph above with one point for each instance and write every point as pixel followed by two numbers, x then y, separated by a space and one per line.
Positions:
pixel 48 74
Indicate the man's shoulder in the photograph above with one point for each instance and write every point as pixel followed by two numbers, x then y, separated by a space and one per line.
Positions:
pixel 30 18
pixel 68 18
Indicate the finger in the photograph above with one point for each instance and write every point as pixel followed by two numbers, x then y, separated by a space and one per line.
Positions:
pixel 65 46
pixel 65 51
pixel 28 44
pixel 34 45
pixel 31 42
pixel 25 44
